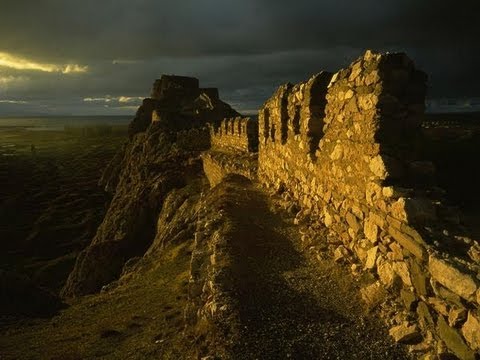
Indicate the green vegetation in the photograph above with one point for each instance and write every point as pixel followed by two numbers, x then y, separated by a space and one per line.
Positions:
pixel 141 318
pixel 50 208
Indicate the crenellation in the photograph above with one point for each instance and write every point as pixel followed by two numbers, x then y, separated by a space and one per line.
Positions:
pixel 345 146
pixel 239 134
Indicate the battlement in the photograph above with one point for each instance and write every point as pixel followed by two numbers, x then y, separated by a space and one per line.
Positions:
pixel 345 148
pixel 295 113
pixel 236 134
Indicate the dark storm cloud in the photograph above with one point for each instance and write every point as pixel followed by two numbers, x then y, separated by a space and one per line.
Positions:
pixel 245 48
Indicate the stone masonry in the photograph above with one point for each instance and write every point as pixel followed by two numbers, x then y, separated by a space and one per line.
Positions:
pixel 236 134
pixel 345 148
pixel 234 150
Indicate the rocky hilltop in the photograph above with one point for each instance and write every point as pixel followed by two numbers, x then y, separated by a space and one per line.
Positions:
pixel 161 155
pixel 343 155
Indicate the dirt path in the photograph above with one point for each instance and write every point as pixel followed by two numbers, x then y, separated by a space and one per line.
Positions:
pixel 291 307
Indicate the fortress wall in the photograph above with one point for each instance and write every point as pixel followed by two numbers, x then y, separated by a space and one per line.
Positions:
pixel 218 164
pixel 238 134
pixel 234 150
pixel 345 148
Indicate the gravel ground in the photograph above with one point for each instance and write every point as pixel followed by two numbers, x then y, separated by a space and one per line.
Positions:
pixel 290 306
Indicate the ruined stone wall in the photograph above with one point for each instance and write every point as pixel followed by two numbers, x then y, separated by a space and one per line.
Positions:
pixel 218 164
pixel 345 148
pixel 236 134
pixel 234 150
pixel 181 104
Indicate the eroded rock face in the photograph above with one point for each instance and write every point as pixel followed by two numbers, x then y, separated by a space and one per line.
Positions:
pixel 156 160
pixel 143 117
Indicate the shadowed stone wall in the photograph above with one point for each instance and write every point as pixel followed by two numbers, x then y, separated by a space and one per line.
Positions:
pixel 236 134
pixel 345 147
pixel 218 164
pixel 181 104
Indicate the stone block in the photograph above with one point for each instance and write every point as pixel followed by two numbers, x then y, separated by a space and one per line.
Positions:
pixel 414 210
pixel 439 305
pixel 340 254
pixel 409 299
pixel 424 315
pixel 377 167
pixel 454 340
pixel 378 219
pixel 457 316
pixel 407 242
pixel 385 273
pixel 371 258
pixel 370 230
pixel 445 294
pixel 405 333
pixel 373 294
pixel 396 192
pixel 471 330
pixel 452 278
pixel 397 253
pixel 419 278
pixel 401 269
pixel 353 222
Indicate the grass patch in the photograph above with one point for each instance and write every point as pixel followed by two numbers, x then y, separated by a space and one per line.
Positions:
pixel 141 318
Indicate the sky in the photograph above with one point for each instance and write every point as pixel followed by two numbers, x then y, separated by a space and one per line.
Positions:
pixel 100 57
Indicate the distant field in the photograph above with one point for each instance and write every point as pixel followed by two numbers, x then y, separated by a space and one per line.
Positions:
pixel 50 203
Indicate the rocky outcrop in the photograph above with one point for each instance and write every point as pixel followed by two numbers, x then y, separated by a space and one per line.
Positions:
pixel 159 157
pixel 142 118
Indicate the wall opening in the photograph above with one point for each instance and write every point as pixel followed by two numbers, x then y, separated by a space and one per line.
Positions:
pixel 296 121
pixel 317 105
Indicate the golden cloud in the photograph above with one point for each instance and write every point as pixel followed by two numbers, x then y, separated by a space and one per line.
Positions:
pixel 19 63
pixel 13 102
pixel 120 99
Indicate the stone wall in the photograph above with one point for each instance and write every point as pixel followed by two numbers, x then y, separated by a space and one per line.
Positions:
pixel 345 147
pixel 236 134
pixel 218 164
pixel 234 150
